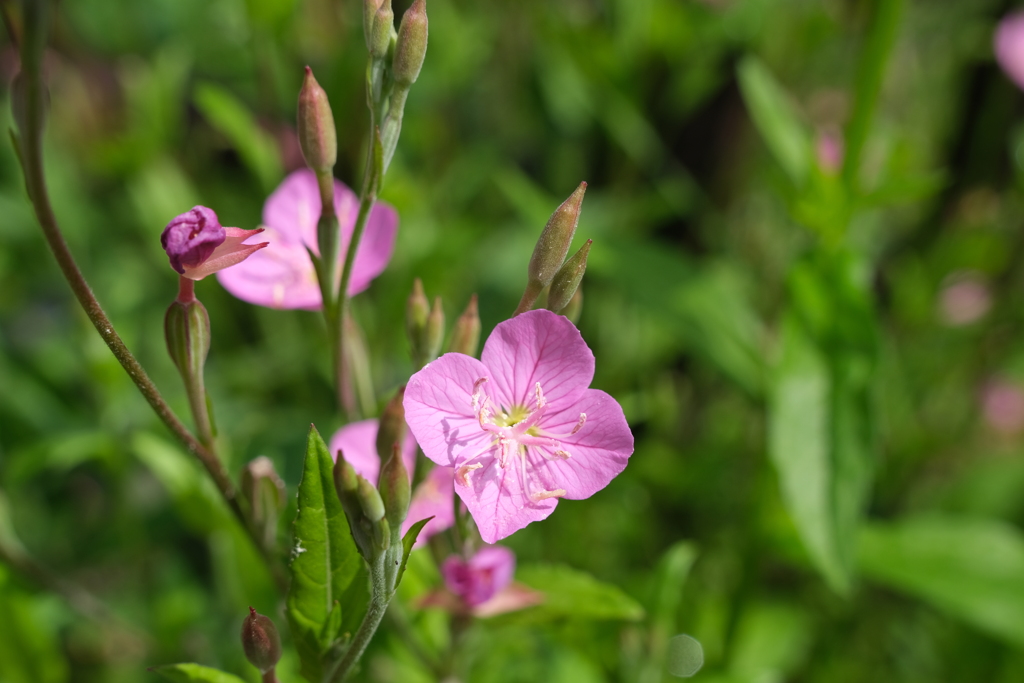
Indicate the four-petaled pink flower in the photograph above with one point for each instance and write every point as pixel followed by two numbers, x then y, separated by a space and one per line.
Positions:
pixel 434 496
pixel 283 276
pixel 198 245
pixel 520 427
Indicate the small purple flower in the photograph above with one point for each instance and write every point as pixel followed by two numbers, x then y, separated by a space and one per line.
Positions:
pixel 198 245
pixel 434 497
pixel 482 577
pixel 1009 46
pixel 283 276
pixel 520 427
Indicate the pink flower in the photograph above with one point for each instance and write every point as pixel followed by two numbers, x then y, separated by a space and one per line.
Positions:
pixel 283 276
pixel 482 577
pixel 1002 403
pixel 1009 46
pixel 520 427
pixel 434 497
pixel 198 245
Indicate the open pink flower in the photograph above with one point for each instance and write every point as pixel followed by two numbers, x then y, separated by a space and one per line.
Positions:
pixel 434 497
pixel 520 427
pixel 283 276
pixel 197 245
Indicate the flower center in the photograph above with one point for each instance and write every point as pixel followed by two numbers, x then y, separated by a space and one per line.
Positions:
pixel 518 433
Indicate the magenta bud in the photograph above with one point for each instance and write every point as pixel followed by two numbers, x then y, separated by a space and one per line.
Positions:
pixel 383 25
pixel 191 238
pixel 567 279
pixel 318 138
pixel 411 47
pixel 466 333
pixel 261 642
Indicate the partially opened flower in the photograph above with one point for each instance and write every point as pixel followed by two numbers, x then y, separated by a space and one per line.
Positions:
pixel 283 276
pixel 520 427
pixel 434 497
pixel 197 245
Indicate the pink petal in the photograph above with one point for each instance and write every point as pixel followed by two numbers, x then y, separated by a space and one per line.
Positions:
pixel 358 443
pixel 513 597
pixel 538 346
pixel 231 252
pixel 280 276
pixel 434 497
pixel 600 450
pixel 439 409
pixel 495 498
pixel 1009 46
pixel 479 579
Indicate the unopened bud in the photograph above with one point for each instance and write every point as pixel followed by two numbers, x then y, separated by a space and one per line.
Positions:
pixel 187 330
pixel 374 516
pixel 417 310
pixel 261 642
pixel 395 490
pixel 466 333
pixel 383 25
pixel 575 306
pixel 346 483
pixel 411 47
pixel 391 427
pixel 567 279
pixel 553 245
pixel 435 329
pixel 265 491
pixel 370 8
pixel 317 135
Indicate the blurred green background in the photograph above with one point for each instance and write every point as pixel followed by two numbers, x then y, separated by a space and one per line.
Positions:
pixel 805 290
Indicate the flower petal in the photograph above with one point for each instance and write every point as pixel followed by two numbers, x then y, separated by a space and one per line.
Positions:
pixel 375 248
pixel 538 346
pixel 434 497
pixel 600 450
pixel 495 498
pixel 230 253
pixel 358 443
pixel 439 409
pixel 281 276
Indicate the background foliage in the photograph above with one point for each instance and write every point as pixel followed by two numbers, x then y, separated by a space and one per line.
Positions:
pixel 828 469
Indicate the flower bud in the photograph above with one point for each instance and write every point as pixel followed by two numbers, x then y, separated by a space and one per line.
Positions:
pixel 435 330
pixel 383 25
pixel 567 279
pixel 370 8
pixel 466 333
pixel 317 135
pixel 391 428
pixel 417 310
pixel 374 519
pixel 411 47
pixel 265 491
pixel 553 245
pixel 346 483
pixel 187 330
pixel 261 642
pixel 395 490
pixel 574 307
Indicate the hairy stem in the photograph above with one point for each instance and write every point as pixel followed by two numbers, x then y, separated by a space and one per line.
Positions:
pixel 380 596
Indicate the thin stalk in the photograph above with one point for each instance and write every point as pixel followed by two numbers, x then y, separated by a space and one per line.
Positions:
pixel 29 146
pixel 365 204
pixel 380 596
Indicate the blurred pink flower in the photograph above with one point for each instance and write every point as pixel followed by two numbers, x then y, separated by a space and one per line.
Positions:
pixel 283 276
pixel 520 426
pixel 964 299
pixel 1002 404
pixel 435 495
pixel 481 586
pixel 197 245
pixel 828 147
pixel 1009 46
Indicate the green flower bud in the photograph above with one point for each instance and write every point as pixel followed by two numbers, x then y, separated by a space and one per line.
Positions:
pixel 346 483
pixel 375 522
pixel 574 307
pixel 567 279
pixel 553 245
pixel 411 47
pixel 370 8
pixel 317 135
pixel 383 25
pixel 417 309
pixel 395 490
pixel 265 492
pixel 261 642
pixel 187 330
pixel 391 428
pixel 466 333
pixel 435 329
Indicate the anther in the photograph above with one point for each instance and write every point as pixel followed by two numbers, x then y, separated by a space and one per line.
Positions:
pixel 462 473
pixel 544 495
pixel 579 425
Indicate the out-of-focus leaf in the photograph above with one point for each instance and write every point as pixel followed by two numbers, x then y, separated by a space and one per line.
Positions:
pixel 572 593
pixel 799 446
pixel 232 118
pixel 770 641
pixel 194 673
pixel 775 118
pixel 971 568
pixel 671 574
pixel 326 568
pixel 29 652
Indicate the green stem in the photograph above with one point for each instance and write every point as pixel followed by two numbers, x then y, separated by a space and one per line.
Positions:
pixel 29 146
pixel 380 596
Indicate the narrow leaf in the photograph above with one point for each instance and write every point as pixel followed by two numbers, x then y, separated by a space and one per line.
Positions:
pixel 408 541
pixel 192 673
pixel 971 568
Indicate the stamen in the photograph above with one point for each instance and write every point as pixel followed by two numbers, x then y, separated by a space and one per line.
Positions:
pixel 564 455
pixel 544 495
pixel 462 473
pixel 476 393
pixel 540 397
pixel 579 425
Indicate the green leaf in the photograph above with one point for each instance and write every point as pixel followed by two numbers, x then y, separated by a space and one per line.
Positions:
pixel 189 673
pixel 232 118
pixel 408 541
pixel 326 568
pixel 799 446
pixel 775 119
pixel 29 648
pixel 572 593
pixel 971 568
